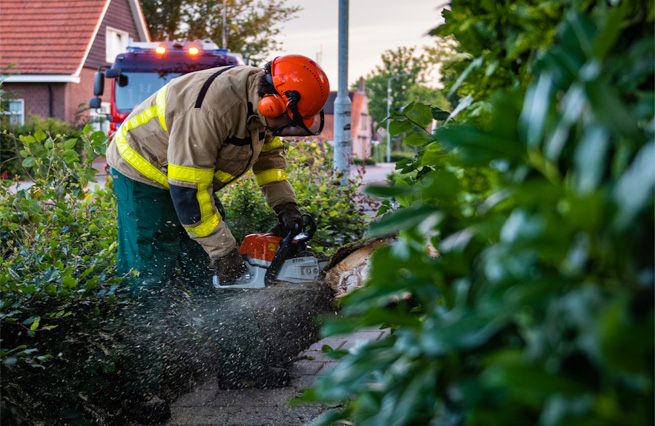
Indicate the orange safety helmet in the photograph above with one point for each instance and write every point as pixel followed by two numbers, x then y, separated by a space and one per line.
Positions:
pixel 302 91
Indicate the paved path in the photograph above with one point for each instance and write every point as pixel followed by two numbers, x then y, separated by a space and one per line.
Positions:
pixel 207 405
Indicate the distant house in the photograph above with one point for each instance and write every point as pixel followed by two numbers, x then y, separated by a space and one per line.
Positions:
pixel 57 45
pixel 361 124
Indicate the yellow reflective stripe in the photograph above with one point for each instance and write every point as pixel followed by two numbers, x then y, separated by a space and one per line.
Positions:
pixel 202 177
pixel 161 106
pixel 271 175
pixel 190 174
pixel 205 228
pixel 139 163
pixel 205 202
pixel 130 155
pixel 223 176
pixel 275 143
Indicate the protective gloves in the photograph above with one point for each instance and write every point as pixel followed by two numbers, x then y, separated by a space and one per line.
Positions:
pixel 229 267
pixel 288 216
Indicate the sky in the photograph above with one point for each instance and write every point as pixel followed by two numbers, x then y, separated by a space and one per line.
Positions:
pixel 374 27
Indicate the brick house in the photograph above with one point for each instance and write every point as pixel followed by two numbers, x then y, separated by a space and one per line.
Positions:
pixel 57 45
pixel 361 124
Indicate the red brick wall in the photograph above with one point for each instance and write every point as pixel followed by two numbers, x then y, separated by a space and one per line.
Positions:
pixel 80 93
pixel 37 98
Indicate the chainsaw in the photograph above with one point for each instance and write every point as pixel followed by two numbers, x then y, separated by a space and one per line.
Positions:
pixel 270 259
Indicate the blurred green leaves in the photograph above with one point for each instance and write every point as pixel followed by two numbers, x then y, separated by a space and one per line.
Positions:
pixel 520 289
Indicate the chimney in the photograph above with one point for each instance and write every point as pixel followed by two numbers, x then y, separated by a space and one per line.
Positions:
pixel 360 89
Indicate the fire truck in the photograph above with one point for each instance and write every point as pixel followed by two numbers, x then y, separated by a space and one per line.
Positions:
pixel 145 67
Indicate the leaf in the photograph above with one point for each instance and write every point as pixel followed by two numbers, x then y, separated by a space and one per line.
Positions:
pixel 420 114
pixel 416 139
pixel 403 219
pixel 461 106
pixel 388 191
pixel 397 127
pixel 475 64
pixel 439 114
pixel 590 157
pixel 35 324
pixel 40 135
pixel 535 110
pixel 635 187
pixel 29 162
pixel 70 143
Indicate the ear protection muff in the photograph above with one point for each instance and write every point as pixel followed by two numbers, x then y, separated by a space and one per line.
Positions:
pixel 272 106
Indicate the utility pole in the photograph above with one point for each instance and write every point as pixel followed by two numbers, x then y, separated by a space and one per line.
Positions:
pixel 389 112
pixel 224 23
pixel 342 105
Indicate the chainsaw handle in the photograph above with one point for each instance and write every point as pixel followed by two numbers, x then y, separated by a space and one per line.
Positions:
pixel 307 232
pixel 300 236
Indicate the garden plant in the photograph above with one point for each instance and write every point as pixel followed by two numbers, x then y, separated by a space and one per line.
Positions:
pixel 63 330
pixel 520 288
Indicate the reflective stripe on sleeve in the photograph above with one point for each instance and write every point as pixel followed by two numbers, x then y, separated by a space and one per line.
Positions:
pixel 190 174
pixel 224 176
pixel 138 162
pixel 129 154
pixel 161 106
pixel 271 175
pixel 203 178
pixel 275 143
pixel 205 228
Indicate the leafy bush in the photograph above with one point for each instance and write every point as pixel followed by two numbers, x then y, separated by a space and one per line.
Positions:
pixel 340 219
pixel 10 162
pixel 359 162
pixel 57 282
pixel 538 308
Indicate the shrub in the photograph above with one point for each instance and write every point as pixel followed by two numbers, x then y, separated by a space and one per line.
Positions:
pixel 334 207
pixel 538 308
pixel 360 162
pixel 57 282
pixel 10 161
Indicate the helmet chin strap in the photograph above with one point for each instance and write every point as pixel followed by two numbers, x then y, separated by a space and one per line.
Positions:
pixel 297 120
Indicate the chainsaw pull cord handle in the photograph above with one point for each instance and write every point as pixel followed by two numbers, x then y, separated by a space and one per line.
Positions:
pixel 284 246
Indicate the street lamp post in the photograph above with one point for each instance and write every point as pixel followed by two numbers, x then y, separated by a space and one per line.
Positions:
pixel 389 112
pixel 224 23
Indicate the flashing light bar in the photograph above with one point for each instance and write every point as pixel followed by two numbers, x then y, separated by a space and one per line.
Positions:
pixel 193 50
pixel 160 50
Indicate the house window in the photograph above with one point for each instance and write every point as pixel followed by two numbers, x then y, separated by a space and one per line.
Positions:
pixel 116 42
pixel 99 119
pixel 15 110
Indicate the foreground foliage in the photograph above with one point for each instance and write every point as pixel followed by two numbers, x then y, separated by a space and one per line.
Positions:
pixel 538 307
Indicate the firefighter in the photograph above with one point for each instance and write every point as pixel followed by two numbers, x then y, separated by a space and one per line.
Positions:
pixel 194 136
pixel 197 134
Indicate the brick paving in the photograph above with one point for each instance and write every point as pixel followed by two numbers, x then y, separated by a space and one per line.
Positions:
pixel 207 405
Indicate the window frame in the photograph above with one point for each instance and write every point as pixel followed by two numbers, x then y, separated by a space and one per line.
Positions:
pixel 115 42
pixel 20 113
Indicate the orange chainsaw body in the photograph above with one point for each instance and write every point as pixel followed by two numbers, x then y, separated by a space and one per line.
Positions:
pixel 260 246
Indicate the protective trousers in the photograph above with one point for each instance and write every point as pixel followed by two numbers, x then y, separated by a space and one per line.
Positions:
pixel 151 239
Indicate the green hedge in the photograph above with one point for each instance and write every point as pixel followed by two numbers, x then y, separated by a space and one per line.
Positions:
pixel 339 218
pixel 521 293
pixel 10 161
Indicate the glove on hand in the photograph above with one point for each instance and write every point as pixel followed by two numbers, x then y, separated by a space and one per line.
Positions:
pixel 288 215
pixel 229 267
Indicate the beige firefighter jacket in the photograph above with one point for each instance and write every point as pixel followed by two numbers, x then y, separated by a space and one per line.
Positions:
pixel 196 135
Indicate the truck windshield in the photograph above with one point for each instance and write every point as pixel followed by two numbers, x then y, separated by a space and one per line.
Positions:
pixel 140 85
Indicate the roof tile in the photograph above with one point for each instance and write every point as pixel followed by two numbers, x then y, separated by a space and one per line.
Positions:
pixel 47 37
